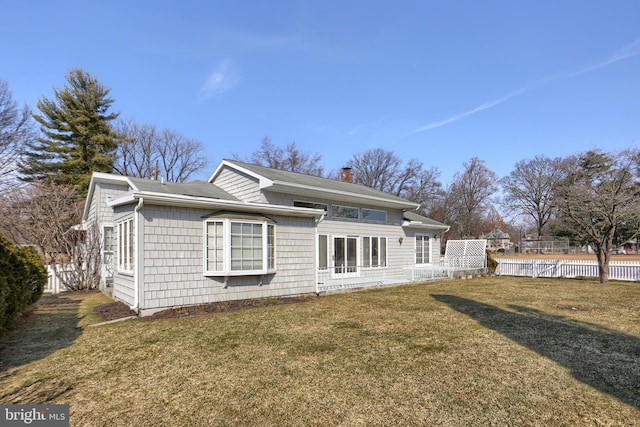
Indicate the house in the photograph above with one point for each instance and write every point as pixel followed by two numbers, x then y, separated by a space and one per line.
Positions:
pixel 497 240
pixel 252 232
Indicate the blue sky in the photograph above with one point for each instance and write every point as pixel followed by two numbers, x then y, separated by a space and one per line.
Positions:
pixel 439 81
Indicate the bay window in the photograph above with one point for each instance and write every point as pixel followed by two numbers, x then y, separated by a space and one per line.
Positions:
pixel 238 247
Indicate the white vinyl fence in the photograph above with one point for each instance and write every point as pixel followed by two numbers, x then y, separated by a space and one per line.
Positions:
pixel 54 284
pixel 618 270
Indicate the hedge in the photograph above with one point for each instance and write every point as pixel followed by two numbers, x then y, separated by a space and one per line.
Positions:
pixel 22 280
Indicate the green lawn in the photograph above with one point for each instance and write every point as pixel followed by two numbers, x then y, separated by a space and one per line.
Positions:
pixel 488 351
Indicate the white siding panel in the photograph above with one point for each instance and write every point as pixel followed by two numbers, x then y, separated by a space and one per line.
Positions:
pixel 399 254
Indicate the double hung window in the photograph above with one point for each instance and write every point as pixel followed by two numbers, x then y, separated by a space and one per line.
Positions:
pixel 374 251
pixel 423 249
pixel 108 245
pixel 126 252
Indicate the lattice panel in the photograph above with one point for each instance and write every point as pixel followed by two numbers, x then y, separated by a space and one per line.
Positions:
pixel 466 253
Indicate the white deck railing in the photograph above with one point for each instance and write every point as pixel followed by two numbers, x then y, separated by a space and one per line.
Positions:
pixel 336 278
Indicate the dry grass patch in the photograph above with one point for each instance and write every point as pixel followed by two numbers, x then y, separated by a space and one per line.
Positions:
pixel 490 351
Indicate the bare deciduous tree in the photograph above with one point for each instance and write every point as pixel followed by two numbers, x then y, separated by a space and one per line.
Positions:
pixel 146 147
pixel 289 158
pixel 15 129
pixel 599 194
pixel 384 171
pixel 529 189
pixel 442 209
pixel 470 195
pixel 46 215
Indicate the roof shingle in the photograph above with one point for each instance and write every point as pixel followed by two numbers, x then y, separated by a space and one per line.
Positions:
pixel 296 178
pixel 194 188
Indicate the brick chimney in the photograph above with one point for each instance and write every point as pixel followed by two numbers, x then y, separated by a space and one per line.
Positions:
pixel 346 175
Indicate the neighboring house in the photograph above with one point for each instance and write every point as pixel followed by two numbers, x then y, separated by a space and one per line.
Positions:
pixel 497 240
pixel 252 232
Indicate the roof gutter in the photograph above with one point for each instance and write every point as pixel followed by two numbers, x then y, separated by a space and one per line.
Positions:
pixel 208 203
pixel 417 224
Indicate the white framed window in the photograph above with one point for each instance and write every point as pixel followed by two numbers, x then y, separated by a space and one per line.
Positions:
pixel 323 252
pixel 214 246
pixel 108 245
pixel 374 215
pixel 345 212
pixel 239 247
pixel 423 249
pixel 312 205
pixel 374 252
pixel 271 247
pixel 126 252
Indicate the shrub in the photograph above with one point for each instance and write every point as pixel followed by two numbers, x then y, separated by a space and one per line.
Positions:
pixel 22 280
pixel 36 276
pixel 492 264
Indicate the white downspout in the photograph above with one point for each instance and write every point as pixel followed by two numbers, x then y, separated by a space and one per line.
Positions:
pixel 315 251
pixel 136 255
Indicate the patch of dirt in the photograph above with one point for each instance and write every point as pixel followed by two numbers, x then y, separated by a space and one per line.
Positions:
pixel 224 306
pixel 113 311
pixel 118 310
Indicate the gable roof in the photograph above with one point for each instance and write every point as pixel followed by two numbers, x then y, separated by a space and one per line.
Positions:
pixel 308 185
pixel 193 194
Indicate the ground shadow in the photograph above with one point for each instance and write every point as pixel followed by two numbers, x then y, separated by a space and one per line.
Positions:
pixel 52 324
pixel 605 359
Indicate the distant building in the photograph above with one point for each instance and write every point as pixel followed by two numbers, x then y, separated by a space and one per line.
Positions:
pixel 497 240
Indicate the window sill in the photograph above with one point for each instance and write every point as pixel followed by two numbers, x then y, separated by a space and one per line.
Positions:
pixel 125 272
pixel 238 273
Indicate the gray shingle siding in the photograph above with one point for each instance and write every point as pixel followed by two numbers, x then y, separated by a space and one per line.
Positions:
pixel 239 185
pixel 174 261
pixel 169 269
pixel 125 289
pixel 98 206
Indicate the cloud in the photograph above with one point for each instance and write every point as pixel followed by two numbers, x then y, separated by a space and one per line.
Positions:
pixel 482 107
pixel 632 49
pixel 223 78
pixel 628 51
pixel 295 42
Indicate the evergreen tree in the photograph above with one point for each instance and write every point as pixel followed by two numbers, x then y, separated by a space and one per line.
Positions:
pixel 77 136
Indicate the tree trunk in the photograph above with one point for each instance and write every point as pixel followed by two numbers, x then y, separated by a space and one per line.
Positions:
pixel 603 255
